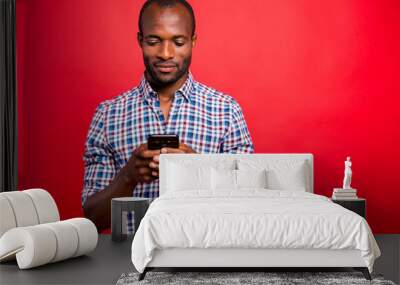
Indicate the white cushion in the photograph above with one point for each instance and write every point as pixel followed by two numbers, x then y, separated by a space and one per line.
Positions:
pixel 187 177
pixel 281 174
pixel 223 179
pixel 230 180
pixel 251 178
pixel 289 179
pixel 263 161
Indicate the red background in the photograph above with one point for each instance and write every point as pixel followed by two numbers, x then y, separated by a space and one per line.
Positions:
pixel 311 76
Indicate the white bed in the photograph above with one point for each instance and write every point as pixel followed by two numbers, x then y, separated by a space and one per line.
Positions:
pixel 201 219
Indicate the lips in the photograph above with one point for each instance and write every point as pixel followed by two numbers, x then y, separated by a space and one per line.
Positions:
pixel 165 68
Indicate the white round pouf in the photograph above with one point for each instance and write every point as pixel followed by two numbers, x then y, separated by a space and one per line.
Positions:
pixel 33 246
pixel 87 235
pixel 31 232
pixel 45 205
pixel 23 208
pixel 67 239
pixel 7 218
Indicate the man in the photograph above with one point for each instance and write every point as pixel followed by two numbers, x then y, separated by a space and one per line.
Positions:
pixel 167 101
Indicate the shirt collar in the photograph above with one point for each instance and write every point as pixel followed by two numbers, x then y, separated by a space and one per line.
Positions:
pixel 186 89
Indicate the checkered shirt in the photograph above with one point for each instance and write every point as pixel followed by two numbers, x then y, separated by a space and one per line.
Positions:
pixel 206 120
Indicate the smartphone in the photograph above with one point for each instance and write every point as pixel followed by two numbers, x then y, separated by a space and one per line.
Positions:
pixel 159 141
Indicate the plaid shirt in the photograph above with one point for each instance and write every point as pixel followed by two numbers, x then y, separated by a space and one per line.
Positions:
pixel 206 120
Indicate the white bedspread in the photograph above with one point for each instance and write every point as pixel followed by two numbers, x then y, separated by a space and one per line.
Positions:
pixel 250 218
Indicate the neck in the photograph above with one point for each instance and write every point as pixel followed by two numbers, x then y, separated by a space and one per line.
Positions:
pixel 166 91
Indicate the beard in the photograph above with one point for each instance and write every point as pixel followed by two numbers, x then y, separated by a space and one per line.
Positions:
pixel 162 79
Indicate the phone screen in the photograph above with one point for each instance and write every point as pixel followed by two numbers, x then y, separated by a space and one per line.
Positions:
pixel 158 141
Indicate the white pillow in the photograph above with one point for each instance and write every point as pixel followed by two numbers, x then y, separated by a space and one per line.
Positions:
pixel 288 179
pixel 223 179
pixel 188 177
pixel 251 178
pixel 226 179
pixel 286 174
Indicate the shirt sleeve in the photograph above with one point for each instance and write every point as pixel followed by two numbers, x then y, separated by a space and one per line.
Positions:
pixel 237 138
pixel 99 163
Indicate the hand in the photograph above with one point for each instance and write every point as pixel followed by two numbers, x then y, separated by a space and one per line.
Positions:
pixel 138 168
pixel 183 148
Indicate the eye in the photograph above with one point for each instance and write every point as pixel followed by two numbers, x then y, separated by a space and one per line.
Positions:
pixel 179 43
pixel 152 42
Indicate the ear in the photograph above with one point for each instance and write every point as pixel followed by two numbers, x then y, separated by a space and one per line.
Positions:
pixel 140 38
pixel 194 39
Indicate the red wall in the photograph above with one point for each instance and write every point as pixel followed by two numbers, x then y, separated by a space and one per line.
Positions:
pixel 311 76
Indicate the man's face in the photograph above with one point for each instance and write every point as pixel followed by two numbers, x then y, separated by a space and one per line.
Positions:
pixel 166 43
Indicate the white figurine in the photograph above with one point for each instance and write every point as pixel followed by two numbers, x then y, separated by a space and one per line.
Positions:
pixel 347 174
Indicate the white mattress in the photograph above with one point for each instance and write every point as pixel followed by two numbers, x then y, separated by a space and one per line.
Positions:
pixel 251 218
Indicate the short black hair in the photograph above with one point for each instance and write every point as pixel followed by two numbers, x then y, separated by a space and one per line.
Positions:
pixel 167 4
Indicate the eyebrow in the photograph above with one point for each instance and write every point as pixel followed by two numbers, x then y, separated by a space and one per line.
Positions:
pixel 152 36
pixel 158 37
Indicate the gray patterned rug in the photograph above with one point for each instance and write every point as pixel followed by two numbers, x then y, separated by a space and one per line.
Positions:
pixel 243 278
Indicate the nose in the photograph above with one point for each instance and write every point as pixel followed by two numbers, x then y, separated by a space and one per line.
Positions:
pixel 166 51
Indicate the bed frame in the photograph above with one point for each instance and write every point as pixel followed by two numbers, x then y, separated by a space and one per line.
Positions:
pixel 242 259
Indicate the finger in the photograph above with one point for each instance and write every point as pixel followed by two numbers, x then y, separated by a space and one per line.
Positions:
pixel 144 171
pixel 147 178
pixel 153 165
pixel 171 150
pixel 156 158
pixel 142 152
pixel 186 148
pixel 140 148
pixel 183 145
pixel 142 162
pixel 154 173
pixel 148 153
